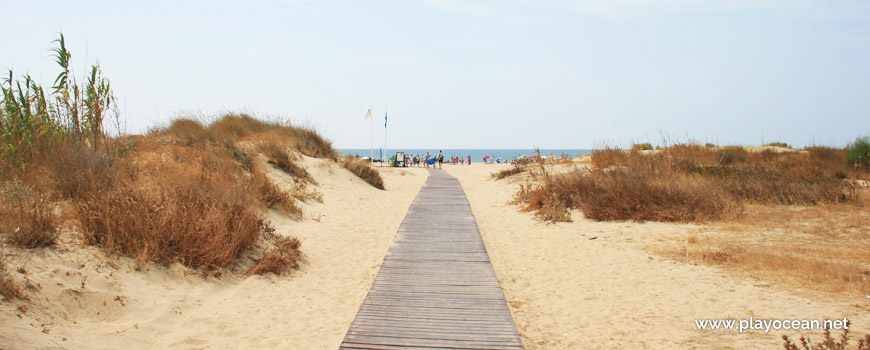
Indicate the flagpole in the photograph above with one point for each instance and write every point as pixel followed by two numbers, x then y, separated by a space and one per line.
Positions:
pixel 371 136
pixel 386 154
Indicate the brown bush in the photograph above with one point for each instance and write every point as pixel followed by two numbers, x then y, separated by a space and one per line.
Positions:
pixel 195 226
pixel 622 194
pixel 310 143
pixel 607 157
pixel 27 217
pixel 76 170
pixel 279 157
pixel 690 183
pixel 273 197
pixel 515 170
pixel 234 126
pixel 364 171
pixel 543 201
pixel 8 288
pixel 641 147
pixel 286 255
pixel 828 341
pixel 732 154
pixel 189 131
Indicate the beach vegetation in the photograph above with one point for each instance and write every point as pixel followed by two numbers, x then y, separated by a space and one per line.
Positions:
pixel 516 169
pixel 858 155
pixel 828 341
pixel 646 146
pixel 778 144
pixel 194 192
pixel 687 183
pixel 364 171
pixel 8 288
pixel 285 256
pixel 278 156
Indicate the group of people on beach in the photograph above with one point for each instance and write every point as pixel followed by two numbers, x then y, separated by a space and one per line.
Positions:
pixel 415 160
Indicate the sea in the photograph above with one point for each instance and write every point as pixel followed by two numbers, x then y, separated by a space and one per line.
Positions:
pixel 476 154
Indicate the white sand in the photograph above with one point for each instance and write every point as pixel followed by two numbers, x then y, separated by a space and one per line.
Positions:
pixel 177 309
pixel 567 291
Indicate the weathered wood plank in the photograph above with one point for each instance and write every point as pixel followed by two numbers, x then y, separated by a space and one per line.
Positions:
pixel 419 341
pixel 436 288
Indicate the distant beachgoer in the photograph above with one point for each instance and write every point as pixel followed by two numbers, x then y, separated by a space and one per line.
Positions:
pixel 427 159
pixel 469 159
pixel 440 160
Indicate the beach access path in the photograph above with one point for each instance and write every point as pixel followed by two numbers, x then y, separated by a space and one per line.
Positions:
pixel 436 288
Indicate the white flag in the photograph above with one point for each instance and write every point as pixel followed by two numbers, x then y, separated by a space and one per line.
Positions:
pixel 369 114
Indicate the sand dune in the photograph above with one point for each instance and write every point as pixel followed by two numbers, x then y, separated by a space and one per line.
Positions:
pixel 569 285
pixel 597 285
pixel 84 302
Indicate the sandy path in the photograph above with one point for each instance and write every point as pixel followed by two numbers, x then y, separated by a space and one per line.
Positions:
pixel 176 309
pixel 567 290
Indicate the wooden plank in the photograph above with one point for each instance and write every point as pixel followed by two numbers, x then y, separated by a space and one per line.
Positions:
pixel 418 341
pixel 436 288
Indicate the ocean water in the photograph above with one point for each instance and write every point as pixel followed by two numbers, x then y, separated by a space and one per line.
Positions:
pixel 476 154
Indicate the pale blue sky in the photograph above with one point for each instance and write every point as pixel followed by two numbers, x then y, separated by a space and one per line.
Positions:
pixel 476 74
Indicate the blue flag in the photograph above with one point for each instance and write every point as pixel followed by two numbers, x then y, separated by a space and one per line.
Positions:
pixel 385 120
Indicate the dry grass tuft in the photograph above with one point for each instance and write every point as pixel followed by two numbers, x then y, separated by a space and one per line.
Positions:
pixel 543 202
pixel 515 170
pixel 828 341
pixel 273 197
pixel 363 171
pixel 278 156
pixel 286 255
pixel 8 288
pixel 27 217
pixel 77 170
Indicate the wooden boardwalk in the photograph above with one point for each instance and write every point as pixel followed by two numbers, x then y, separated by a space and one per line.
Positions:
pixel 436 288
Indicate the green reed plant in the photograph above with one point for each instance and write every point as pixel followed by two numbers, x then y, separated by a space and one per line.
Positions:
pixel 31 120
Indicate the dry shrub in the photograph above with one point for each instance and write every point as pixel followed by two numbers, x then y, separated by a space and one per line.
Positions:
pixel 279 157
pixel 286 255
pixel 195 226
pixel 543 201
pixel 273 197
pixel 691 183
pixel 308 141
pixel 607 157
pixel 364 171
pixel 641 146
pixel 77 170
pixel 8 288
pixel 27 219
pixel 732 154
pixel 515 170
pixel 235 127
pixel 622 194
pixel 189 131
pixel 828 341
